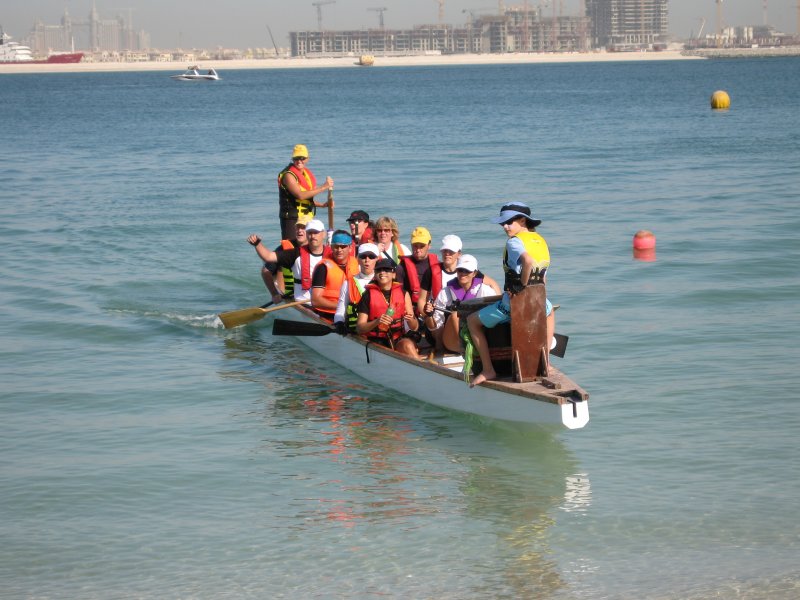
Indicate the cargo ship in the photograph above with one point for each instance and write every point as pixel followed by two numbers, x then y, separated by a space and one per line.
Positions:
pixel 14 53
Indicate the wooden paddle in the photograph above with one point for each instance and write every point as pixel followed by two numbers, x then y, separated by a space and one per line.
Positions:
pixel 243 316
pixel 330 209
pixel 301 329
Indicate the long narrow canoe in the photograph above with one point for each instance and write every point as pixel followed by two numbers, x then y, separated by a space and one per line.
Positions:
pixel 553 400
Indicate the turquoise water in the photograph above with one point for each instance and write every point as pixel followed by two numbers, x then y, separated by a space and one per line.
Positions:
pixel 147 453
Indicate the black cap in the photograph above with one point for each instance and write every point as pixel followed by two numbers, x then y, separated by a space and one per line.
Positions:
pixel 358 215
pixel 385 263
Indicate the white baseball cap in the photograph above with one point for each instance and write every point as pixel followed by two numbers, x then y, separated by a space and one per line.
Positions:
pixel 467 261
pixel 315 225
pixel 452 243
pixel 369 247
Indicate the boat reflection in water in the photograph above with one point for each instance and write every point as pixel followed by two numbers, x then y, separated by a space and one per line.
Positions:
pixel 399 475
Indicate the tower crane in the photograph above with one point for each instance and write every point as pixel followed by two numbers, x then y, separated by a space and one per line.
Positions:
pixel 380 12
pixel 441 11
pixel 319 6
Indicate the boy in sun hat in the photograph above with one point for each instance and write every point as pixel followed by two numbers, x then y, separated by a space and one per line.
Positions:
pixel 525 260
pixel 297 187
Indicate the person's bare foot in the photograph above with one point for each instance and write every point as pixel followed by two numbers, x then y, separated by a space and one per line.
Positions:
pixel 483 376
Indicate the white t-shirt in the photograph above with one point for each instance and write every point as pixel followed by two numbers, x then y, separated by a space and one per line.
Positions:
pixel 446 297
pixel 297 270
pixel 344 296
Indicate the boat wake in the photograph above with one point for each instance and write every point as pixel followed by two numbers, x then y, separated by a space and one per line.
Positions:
pixel 209 321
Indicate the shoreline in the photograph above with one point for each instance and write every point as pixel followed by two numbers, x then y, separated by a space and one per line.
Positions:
pixel 351 61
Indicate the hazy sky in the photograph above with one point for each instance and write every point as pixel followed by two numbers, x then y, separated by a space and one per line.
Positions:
pixel 243 23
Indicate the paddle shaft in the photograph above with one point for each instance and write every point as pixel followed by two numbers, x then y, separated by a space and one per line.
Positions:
pixel 330 209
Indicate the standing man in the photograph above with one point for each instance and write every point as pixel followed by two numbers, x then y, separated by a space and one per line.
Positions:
pixel 297 187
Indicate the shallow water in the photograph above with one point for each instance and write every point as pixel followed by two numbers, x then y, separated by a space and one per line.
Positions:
pixel 145 452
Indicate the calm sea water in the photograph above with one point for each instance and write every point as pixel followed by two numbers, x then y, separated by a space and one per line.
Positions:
pixel 146 453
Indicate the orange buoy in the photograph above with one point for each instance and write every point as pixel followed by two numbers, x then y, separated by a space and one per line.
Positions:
pixel 644 240
pixel 644 246
pixel 720 100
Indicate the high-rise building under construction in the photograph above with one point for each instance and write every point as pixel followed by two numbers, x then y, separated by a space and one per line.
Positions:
pixel 618 24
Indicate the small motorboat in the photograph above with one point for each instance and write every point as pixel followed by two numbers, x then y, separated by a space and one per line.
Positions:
pixel 194 74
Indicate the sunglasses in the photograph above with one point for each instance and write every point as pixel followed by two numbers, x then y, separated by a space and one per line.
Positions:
pixel 368 255
pixel 384 270
pixel 463 271
pixel 340 246
pixel 383 230
pixel 300 158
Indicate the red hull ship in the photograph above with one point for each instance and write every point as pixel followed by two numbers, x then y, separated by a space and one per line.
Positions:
pixel 17 54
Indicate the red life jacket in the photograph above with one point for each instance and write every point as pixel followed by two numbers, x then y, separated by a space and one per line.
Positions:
pixel 378 306
pixel 305 265
pixel 412 276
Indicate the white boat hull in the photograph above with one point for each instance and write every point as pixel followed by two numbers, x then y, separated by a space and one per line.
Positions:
pixel 445 387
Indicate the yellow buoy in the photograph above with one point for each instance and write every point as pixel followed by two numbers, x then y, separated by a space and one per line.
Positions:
pixel 720 100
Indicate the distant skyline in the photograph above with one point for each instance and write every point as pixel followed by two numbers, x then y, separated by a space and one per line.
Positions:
pixel 243 23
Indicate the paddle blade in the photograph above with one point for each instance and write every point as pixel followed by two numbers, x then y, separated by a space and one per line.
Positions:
pixel 297 328
pixel 561 345
pixel 248 315
pixel 242 316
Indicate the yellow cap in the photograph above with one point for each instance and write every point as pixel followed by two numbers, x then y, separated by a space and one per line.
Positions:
pixel 420 236
pixel 300 150
pixel 303 219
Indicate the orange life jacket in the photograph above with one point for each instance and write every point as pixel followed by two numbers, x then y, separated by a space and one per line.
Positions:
pixel 289 205
pixel 334 279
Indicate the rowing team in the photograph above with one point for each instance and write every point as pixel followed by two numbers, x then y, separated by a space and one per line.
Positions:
pixel 366 282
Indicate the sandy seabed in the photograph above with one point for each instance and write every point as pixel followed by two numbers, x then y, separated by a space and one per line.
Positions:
pixel 351 62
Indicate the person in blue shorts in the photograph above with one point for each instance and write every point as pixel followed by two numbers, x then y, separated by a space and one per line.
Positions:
pixel 526 259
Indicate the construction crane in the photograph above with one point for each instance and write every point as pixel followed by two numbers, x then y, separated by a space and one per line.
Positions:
pixel 380 12
pixel 719 18
pixel 702 24
pixel 441 11
pixel 319 6
pixel 766 22
pixel 277 52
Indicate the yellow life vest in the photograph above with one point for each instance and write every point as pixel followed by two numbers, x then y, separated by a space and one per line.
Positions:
pixel 536 248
